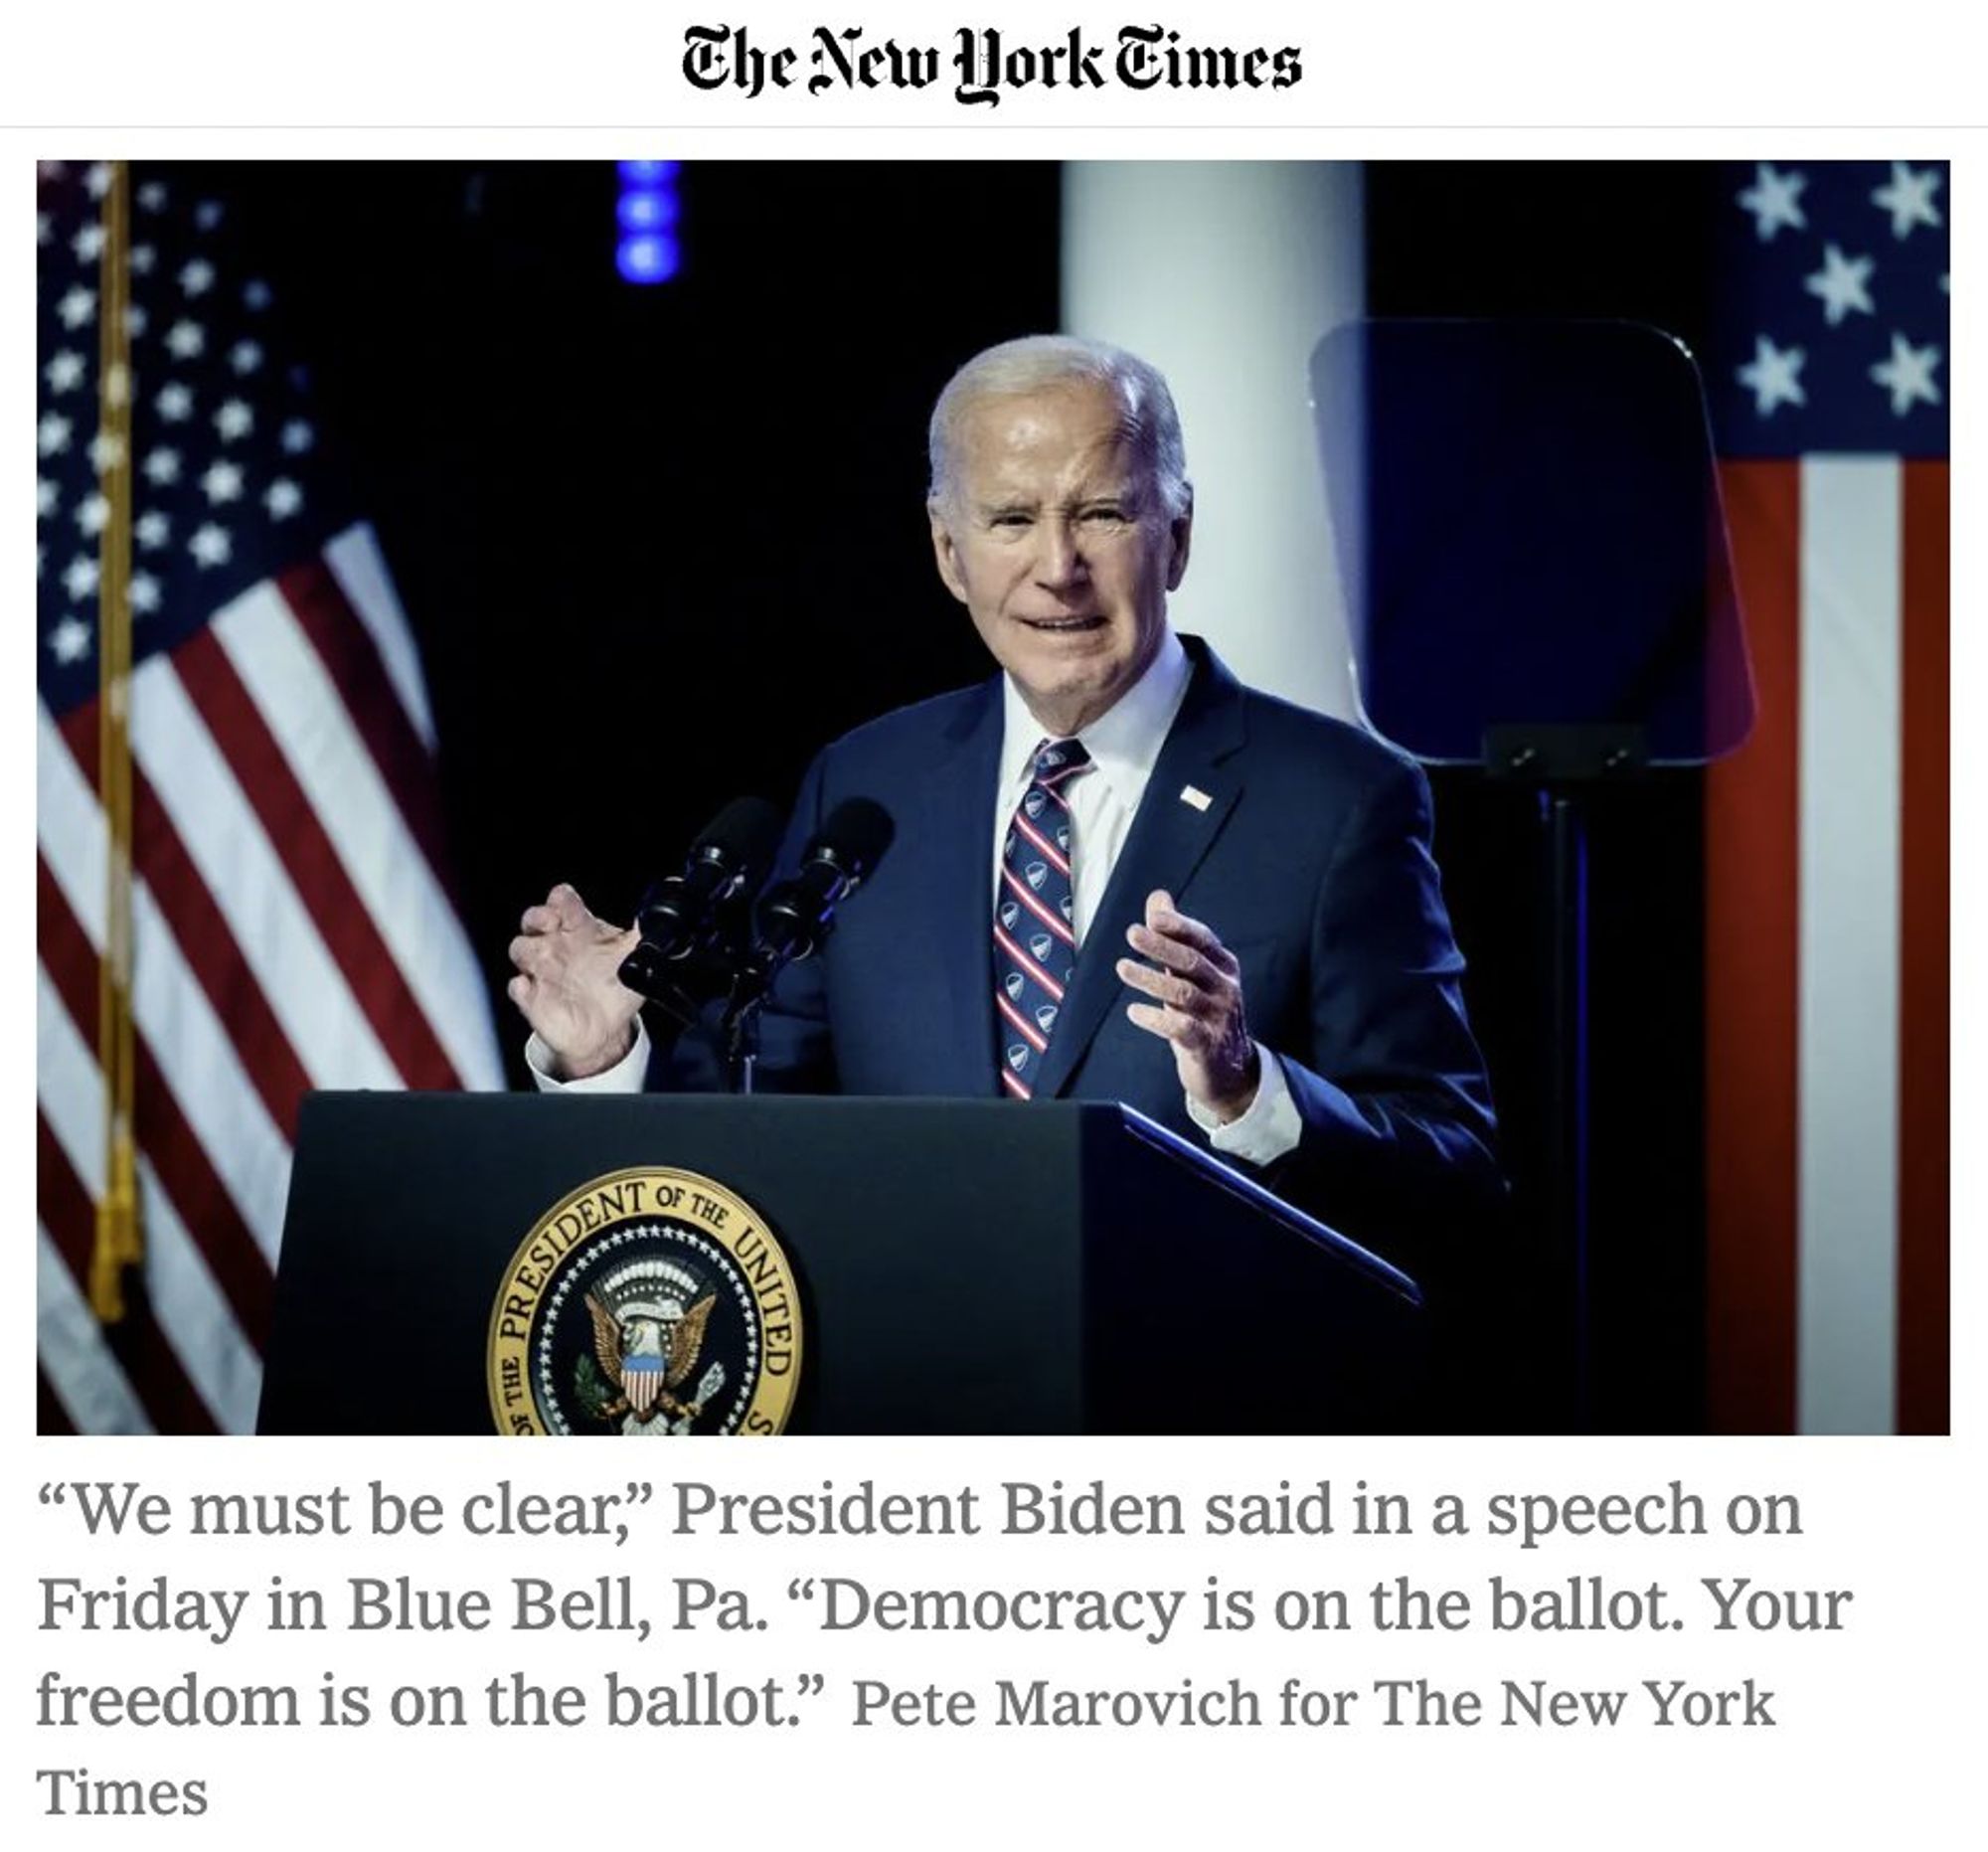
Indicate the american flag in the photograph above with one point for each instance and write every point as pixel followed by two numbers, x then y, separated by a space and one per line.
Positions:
pixel 1827 834
pixel 292 926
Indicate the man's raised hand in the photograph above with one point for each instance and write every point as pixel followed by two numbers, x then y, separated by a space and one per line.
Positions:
pixel 1198 990
pixel 567 987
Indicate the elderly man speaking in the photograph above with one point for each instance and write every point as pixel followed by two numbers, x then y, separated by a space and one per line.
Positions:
pixel 1116 872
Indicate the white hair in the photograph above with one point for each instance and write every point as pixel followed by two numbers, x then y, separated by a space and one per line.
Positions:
pixel 1037 362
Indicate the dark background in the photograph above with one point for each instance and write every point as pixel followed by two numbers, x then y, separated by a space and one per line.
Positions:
pixel 661 544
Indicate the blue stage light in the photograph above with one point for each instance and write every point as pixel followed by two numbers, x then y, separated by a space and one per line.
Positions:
pixel 647 251
pixel 646 210
pixel 648 258
pixel 647 172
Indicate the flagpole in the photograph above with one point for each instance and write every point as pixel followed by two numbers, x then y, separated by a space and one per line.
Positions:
pixel 119 1243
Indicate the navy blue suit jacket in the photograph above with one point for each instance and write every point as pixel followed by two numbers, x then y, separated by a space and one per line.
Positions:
pixel 1312 860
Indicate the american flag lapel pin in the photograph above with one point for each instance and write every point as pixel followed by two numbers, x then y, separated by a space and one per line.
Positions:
pixel 1194 796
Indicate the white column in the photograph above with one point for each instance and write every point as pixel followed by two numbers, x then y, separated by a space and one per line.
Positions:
pixel 1224 274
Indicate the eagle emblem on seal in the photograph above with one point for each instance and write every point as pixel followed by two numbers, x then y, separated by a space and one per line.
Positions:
pixel 648 1336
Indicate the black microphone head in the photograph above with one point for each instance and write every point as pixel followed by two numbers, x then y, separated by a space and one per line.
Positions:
pixel 746 834
pixel 855 833
pixel 681 914
pixel 795 915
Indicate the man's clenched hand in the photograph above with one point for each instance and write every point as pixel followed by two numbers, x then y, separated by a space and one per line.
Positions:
pixel 566 986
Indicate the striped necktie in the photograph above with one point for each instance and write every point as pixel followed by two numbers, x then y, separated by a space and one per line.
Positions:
pixel 1035 914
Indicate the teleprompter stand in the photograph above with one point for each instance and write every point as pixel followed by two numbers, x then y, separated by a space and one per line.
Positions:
pixel 965 1266
pixel 1538 581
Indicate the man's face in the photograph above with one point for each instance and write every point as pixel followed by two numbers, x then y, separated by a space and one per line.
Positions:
pixel 1054 539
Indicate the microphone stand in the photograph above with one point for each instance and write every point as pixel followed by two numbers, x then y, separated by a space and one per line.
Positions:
pixel 794 919
pixel 741 1049
pixel 739 1028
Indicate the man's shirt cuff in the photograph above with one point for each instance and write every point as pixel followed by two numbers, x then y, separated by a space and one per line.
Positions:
pixel 625 1076
pixel 1270 1128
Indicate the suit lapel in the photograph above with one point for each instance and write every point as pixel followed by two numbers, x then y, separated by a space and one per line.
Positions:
pixel 1169 837
pixel 959 801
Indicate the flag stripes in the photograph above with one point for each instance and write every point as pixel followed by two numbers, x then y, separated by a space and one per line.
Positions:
pixel 350 803
pixel 1751 829
pixel 1848 1032
pixel 140 1363
pixel 292 931
pixel 292 825
pixel 355 562
pixel 1925 1032
pixel 269 931
pixel 68 1072
pixel 350 654
pixel 1826 1098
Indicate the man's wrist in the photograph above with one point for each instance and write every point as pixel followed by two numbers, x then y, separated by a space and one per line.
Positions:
pixel 625 1076
pixel 1227 1111
pixel 1267 1128
pixel 595 1061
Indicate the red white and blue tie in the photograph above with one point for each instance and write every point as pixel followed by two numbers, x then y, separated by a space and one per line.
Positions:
pixel 1035 918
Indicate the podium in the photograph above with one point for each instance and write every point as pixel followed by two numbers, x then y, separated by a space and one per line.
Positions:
pixel 963 1266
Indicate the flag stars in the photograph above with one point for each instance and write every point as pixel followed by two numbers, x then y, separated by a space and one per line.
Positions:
pixel 48 498
pixel 143 592
pixel 96 179
pixel 255 294
pixel 1774 376
pixel 297 437
pixel 152 529
pixel 282 498
pixel 197 277
pixel 69 640
pixel 65 370
pixel 244 357
pixel 45 228
pixel 79 577
pixel 174 403
pixel 233 421
pixel 210 545
pixel 206 215
pixel 117 384
pixel 107 451
pixel 92 513
pixel 221 484
pixel 153 196
pixel 51 434
pixel 1843 285
pixel 136 321
pixel 87 243
pixel 186 340
pixel 1774 200
pixel 1907 375
pixel 142 260
pixel 78 308
pixel 162 467
pixel 1907 197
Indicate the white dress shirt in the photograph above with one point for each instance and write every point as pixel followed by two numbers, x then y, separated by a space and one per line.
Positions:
pixel 1124 745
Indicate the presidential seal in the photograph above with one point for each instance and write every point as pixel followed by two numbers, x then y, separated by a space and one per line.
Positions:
pixel 647 1303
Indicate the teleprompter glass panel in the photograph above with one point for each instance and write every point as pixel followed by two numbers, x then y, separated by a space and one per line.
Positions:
pixel 1530 536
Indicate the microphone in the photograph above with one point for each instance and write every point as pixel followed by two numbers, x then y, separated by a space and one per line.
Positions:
pixel 797 915
pixel 681 914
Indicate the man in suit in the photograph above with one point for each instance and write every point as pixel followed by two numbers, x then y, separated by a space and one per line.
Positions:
pixel 1116 872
